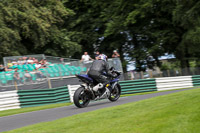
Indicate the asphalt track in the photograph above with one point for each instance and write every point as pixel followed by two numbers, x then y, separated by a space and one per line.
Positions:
pixel 20 120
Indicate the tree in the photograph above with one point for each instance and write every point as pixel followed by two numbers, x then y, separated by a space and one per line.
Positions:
pixel 34 26
pixel 142 29
pixel 154 28
pixel 86 25
pixel 186 16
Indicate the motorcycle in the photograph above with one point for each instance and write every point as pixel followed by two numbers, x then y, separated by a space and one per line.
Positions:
pixel 85 93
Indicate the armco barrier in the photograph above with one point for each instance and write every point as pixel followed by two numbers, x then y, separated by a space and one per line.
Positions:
pixel 169 83
pixel 9 100
pixel 38 97
pixel 196 80
pixel 137 86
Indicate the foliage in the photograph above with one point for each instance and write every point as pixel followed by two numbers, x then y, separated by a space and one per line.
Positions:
pixel 85 26
pixel 173 65
pixel 34 26
pixel 141 30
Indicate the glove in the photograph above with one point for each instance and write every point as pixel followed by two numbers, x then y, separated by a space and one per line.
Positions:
pixel 114 75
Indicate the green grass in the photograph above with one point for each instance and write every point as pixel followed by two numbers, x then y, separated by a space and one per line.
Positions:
pixel 144 93
pixel 174 113
pixel 30 109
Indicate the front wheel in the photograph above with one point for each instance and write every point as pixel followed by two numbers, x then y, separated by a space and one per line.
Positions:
pixel 115 93
pixel 81 98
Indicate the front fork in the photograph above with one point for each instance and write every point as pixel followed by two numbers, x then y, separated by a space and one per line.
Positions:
pixel 119 87
pixel 113 85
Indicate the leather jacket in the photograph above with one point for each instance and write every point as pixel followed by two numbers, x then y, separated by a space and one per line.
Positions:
pixel 99 67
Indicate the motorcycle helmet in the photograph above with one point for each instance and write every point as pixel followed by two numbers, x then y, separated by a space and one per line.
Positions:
pixel 102 57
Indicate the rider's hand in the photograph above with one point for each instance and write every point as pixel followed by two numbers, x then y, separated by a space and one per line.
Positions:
pixel 114 75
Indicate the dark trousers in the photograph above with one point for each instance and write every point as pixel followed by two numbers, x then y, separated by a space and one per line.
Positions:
pixel 98 77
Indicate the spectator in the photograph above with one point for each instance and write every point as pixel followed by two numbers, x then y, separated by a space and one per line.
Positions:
pixel 9 64
pixel 45 63
pixel 62 60
pixel 28 76
pixel 15 64
pixel 24 61
pixel 38 65
pixel 30 60
pixel 97 53
pixel 2 68
pixel 85 58
pixel 35 60
pixel 116 61
pixel 17 77
pixel 20 62
pixel 105 56
pixel 39 73
pixel 42 62
pixel 7 69
pixel 115 54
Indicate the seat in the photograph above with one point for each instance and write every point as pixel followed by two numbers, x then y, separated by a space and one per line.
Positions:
pixel 30 67
pixel 25 67
pixel 20 66
pixel 2 75
pixel 43 70
pixel 50 72
pixel 77 71
pixel 33 76
pixel 3 78
pixel 9 76
pixel 56 71
pixel 64 70
pixel 3 81
pixel 84 69
pixel 71 69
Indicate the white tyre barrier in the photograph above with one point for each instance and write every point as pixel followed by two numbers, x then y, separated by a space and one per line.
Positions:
pixel 72 89
pixel 170 83
pixel 9 100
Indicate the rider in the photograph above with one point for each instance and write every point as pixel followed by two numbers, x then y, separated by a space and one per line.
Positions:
pixel 96 71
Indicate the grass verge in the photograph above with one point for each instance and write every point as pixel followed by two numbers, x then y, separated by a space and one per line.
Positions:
pixel 144 93
pixel 178 112
pixel 30 109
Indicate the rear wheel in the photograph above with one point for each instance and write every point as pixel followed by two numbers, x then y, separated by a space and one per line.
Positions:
pixel 81 98
pixel 115 93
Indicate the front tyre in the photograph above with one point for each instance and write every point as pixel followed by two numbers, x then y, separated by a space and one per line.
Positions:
pixel 81 98
pixel 115 93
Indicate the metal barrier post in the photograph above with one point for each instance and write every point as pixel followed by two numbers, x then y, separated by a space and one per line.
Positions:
pixel 150 74
pixel 15 85
pixel 49 83
pixel 142 75
pixel 168 74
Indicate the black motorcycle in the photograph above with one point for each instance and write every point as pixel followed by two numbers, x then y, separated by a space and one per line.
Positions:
pixel 85 92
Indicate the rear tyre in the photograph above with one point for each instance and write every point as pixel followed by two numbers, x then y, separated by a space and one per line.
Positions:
pixel 81 98
pixel 115 93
